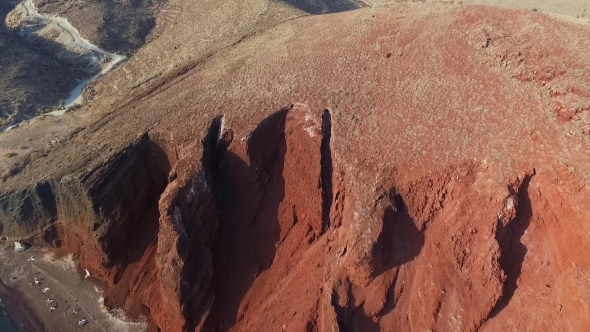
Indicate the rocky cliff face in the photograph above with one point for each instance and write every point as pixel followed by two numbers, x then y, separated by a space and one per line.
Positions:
pixel 275 231
pixel 102 207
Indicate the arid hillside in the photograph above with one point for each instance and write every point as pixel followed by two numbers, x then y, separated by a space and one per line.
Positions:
pixel 35 73
pixel 31 79
pixel 117 26
pixel 400 167
pixel 42 61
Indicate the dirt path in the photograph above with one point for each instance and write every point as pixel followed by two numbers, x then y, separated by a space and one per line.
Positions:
pixel 75 97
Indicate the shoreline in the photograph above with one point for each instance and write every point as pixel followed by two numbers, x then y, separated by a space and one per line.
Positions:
pixel 73 296
pixel 19 313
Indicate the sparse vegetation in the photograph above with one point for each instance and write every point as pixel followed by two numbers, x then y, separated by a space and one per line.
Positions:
pixel 8 155
pixel 36 155
pixel 74 107
pixel 29 82
pixel 20 164
pixel 15 169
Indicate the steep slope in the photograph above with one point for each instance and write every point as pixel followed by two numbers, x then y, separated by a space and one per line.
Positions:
pixel 33 77
pixel 36 74
pixel 116 26
pixel 430 174
pixel 187 33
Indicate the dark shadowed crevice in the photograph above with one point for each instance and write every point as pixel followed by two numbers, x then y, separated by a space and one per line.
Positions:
pixel 199 286
pixel 351 318
pixel 163 151
pixel 131 243
pixel 248 194
pixel 214 148
pixel 390 298
pixel 326 169
pixel 47 197
pixel 513 250
pixel 318 7
pixel 138 181
pixel 400 241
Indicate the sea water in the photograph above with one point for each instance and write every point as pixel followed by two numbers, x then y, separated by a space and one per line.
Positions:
pixel 6 324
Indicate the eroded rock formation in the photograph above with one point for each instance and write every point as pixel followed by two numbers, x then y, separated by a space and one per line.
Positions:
pixel 271 230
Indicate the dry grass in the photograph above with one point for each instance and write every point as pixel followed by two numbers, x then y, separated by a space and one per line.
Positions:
pixel 20 164
pixel 10 155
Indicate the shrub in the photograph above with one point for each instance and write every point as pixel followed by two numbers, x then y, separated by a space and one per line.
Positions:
pixel 10 155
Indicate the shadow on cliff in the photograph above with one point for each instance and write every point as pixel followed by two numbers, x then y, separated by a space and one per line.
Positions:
pixel 513 250
pixel 248 195
pixel 350 318
pixel 400 240
pixel 318 7
pixel 131 244
pixel 37 73
pixel 135 262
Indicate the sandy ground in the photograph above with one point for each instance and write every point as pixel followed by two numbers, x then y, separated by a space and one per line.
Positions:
pixel 21 318
pixel 67 288
pixel 571 10
pixel 35 138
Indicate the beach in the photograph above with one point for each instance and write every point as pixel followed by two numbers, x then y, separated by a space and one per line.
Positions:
pixel 14 314
pixel 43 290
pixel 6 324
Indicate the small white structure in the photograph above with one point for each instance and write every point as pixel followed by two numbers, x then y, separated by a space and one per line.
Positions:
pixel 18 247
